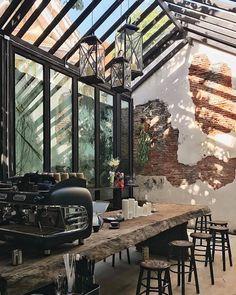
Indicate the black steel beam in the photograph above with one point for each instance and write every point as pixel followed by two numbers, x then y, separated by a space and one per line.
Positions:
pixel 139 20
pixel 160 46
pixel 18 16
pixel 200 16
pixel 32 18
pixel 55 21
pixel 75 25
pixel 171 16
pixel 46 121
pixel 8 12
pixel 159 64
pixel 94 27
pixel 122 19
pixel 75 120
pixel 229 16
pixel 153 22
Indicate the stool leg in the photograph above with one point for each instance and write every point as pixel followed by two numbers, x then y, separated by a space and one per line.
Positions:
pixel 113 260
pixel 201 224
pixel 195 271
pixel 213 245
pixel 191 263
pixel 205 221
pixel 159 283
pixel 208 257
pixel 196 224
pixel 229 250
pixel 120 255
pixel 104 259
pixel 139 281
pixel 169 282
pixel 128 256
pixel 183 272
pixel 148 282
pixel 178 277
pixel 223 250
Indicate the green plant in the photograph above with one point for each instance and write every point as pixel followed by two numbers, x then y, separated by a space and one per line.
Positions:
pixel 144 143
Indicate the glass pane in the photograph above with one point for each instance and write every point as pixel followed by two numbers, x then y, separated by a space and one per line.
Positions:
pixel 86 106
pixel 61 122
pixel 106 136
pixel 124 138
pixel 28 115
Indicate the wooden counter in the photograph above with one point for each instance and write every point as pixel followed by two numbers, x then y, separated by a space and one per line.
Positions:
pixel 38 271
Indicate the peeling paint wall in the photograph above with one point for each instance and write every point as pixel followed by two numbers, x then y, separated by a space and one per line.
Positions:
pixel 185 131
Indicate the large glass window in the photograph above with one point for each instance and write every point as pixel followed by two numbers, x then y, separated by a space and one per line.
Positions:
pixel 86 132
pixel 61 121
pixel 28 115
pixel 106 136
pixel 124 138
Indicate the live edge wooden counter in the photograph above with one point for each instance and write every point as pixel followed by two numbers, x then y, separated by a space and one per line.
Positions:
pixel 38 271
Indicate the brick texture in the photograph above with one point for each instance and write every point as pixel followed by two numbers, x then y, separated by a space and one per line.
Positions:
pixel 213 96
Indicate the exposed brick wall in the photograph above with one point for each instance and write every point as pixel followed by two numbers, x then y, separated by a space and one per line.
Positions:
pixel 212 94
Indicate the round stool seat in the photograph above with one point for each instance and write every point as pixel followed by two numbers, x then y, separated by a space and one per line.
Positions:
pixel 219 222
pixel 219 228
pixel 201 235
pixel 155 264
pixel 181 243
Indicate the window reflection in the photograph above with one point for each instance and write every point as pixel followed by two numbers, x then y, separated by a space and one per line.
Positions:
pixel 28 115
pixel 61 122
pixel 124 138
pixel 106 135
pixel 86 132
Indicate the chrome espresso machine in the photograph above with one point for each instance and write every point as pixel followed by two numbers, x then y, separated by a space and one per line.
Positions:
pixel 35 210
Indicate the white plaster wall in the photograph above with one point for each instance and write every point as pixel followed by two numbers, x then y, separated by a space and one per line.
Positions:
pixel 170 84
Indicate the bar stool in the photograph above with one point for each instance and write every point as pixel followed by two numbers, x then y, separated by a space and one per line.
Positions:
pixel 221 233
pixel 120 256
pixel 201 223
pixel 219 222
pixel 182 247
pixel 161 270
pixel 207 255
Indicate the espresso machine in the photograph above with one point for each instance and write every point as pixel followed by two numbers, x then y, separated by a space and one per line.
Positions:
pixel 37 211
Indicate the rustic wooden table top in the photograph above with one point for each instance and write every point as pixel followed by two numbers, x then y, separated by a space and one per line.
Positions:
pixel 38 270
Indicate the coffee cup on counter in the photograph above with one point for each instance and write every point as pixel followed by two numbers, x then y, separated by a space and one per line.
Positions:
pixel 114 224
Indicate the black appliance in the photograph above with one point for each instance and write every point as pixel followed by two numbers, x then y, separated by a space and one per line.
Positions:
pixel 34 210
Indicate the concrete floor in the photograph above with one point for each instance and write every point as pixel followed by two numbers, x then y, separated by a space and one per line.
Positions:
pixel 122 279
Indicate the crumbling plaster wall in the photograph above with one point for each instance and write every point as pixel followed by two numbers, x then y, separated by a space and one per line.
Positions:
pixel 187 111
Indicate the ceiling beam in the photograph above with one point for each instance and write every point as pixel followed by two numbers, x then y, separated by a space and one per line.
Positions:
pixel 206 9
pixel 160 64
pixel 75 25
pixel 8 12
pixel 55 22
pixel 225 5
pixel 201 16
pixel 18 16
pixel 98 23
pixel 32 18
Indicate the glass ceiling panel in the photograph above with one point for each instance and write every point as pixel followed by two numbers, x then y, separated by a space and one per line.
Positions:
pixel 98 11
pixel 27 16
pixel 64 24
pixel 3 6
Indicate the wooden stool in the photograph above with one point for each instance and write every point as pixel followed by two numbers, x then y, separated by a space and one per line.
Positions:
pixel 181 248
pixel 218 222
pixel 201 223
pixel 207 250
pixel 221 233
pixel 161 270
pixel 120 256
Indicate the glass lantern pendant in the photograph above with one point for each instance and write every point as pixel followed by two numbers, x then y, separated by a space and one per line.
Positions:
pixel 92 60
pixel 120 75
pixel 129 44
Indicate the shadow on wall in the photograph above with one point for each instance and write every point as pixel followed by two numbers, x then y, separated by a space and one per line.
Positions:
pixel 156 141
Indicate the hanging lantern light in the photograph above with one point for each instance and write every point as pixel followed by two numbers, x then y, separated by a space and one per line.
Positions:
pixel 92 60
pixel 120 75
pixel 129 44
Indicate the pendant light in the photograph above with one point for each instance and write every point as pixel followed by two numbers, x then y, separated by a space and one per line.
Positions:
pixel 92 60
pixel 129 44
pixel 120 75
